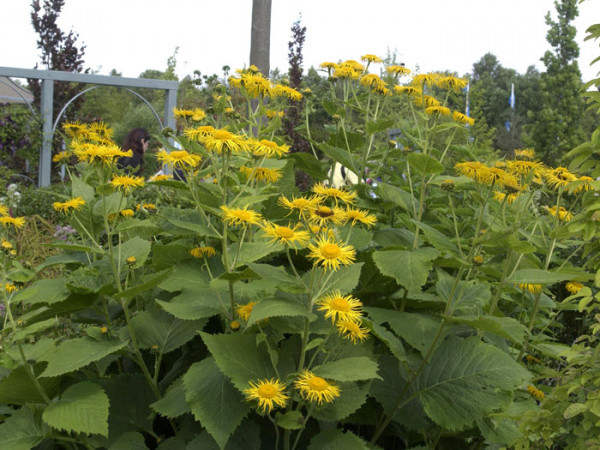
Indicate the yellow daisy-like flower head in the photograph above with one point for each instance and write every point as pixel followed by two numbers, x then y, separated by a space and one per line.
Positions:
pixel 281 90
pixel 267 148
pixel 10 288
pixel 222 141
pixel 345 71
pixel 199 133
pixel 331 254
pixel 462 118
pixel 492 176
pixel 408 90
pixel 200 252
pixel 397 70
pixel 426 101
pixel 73 204
pixel 301 204
pixel 561 213
pixel 287 235
pixel 559 177
pixel 17 222
pixel 256 85
pixel 316 389
pixel 198 115
pixel 240 216
pixel 573 286
pixel 331 192
pixel 261 173
pixel 437 110
pixel 244 311
pixel 3 210
pixel 372 80
pixel 127 183
pixel 532 288
pixel 583 184
pixel 337 306
pixel 510 198
pixel 452 83
pixel 269 393
pixel 371 58
pixel 422 79
pixel 127 212
pixel 181 159
pixel 6 246
pixel 349 329
pixel 526 153
pixel 131 261
pixel 160 177
pixel 535 393
pixel 61 157
pixel 323 216
pixel 182 113
pixel 522 167
pixel 358 216
pixel 470 169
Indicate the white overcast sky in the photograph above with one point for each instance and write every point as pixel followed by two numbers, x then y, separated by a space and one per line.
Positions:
pixel 134 35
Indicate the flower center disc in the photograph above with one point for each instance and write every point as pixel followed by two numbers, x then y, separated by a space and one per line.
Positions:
pixel 222 134
pixel 285 232
pixel 340 304
pixel 324 211
pixel 317 384
pixel 267 391
pixel 330 251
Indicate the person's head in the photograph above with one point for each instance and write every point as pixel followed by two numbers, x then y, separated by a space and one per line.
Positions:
pixel 137 140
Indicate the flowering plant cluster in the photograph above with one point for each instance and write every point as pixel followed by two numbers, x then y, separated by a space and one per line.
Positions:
pixel 414 307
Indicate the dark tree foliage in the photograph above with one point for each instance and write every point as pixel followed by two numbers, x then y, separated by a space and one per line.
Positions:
pixel 293 115
pixel 59 51
pixel 557 128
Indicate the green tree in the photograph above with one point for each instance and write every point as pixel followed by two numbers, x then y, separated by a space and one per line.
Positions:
pixel 557 128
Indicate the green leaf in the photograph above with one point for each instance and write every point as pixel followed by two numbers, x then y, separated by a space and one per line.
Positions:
pixel 193 304
pixel 505 327
pixel 337 440
pixel 465 380
pixel 424 164
pixel 35 328
pixel 397 196
pixel 538 276
pixel 283 280
pixel 410 268
pixel 47 291
pixel 436 238
pixel 173 403
pixel 189 276
pixel 346 278
pixel 352 396
pixel 199 229
pixel 136 247
pixel 146 284
pixel 372 127
pixel 77 353
pixel 213 400
pixel 574 409
pixel 499 430
pixel 278 307
pixel 80 188
pixel 349 369
pixel 82 408
pixel 239 358
pixel 253 251
pixel 416 329
pixel 17 388
pixel 291 420
pixel 23 430
pixel 309 164
pixel 389 339
pixel 343 156
pixel 129 441
pixel 158 329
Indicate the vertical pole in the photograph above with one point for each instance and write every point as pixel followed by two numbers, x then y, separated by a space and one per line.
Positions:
pixel 169 118
pixel 46 103
pixel 260 37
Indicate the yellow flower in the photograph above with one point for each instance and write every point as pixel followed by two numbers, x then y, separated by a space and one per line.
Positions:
pixel 371 58
pixel 241 216
pixel 532 359
pixel 493 176
pixel 285 91
pixel 426 101
pixel 372 80
pixel 425 79
pixel 131 261
pixel 324 215
pixel 478 260
pixel 61 157
pixel 452 83
pixel 337 306
pixel 17 222
pixel 573 286
pixel 533 288
pixel 179 159
pixel 328 65
pixel 267 148
pixel 256 85
pixel 330 254
pixel 583 184
pixel 461 118
pixel 440 110
pixel 345 72
pixel 289 235
pixel 349 329
pixel 510 198
pixel 261 173
pixel 199 133
pixel 331 192
pixel 6 246
pixel 447 185
pixel 105 154
pixel 127 213
pixel 234 325
pixel 397 70
pixel 183 113
pixel 273 113
pixel 104 329
pixel 408 90
pixel 269 393
pixel 535 393
pixel 526 153
pixel 223 140
pixel 244 311
pixel 126 183
pixel 200 252
pixel 316 389
pixel 562 213
pixel 160 177
pixel 356 215
pixel 301 204
pixel 559 177
pixel 3 210
pixel 522 167
pixel 73 204
pixel 10 287
pixel 470 169
pixel 198 115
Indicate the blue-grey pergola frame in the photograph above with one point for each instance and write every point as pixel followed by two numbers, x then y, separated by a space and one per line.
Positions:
pixel 48 78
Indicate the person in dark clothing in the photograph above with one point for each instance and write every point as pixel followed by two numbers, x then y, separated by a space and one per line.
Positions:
pixel 137 141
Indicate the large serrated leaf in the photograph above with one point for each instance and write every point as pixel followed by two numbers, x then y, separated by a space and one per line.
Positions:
pixel 278 307
pixel 135 247
pixel 424 164
pixel 215 403
pixel 173 403
pixel 82 408
pixel 465 380
pixel 159 330
pixel 77 353
pixel 337 440
pixel 506 327
pixel 349 369
pixel 397 196
pixel 194 304
pixel 17 388
pixel 410 268
pixel 23 430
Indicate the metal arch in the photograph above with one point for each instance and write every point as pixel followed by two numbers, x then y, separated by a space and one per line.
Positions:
pixel 75 97
pixel 20 95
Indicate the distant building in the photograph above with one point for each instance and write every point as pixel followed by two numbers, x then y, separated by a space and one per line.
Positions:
pixel 11 92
